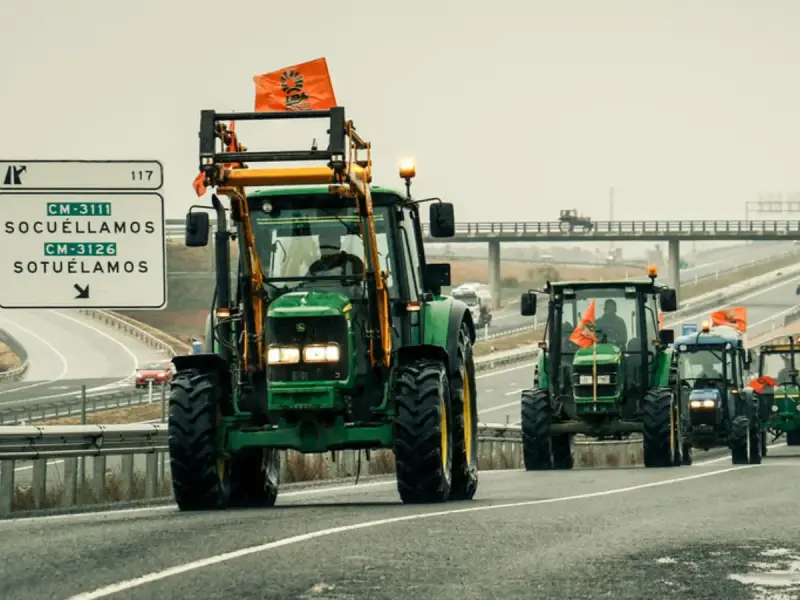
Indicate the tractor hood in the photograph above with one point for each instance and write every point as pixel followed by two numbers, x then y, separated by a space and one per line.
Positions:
pixel 310 304
pixel 606 354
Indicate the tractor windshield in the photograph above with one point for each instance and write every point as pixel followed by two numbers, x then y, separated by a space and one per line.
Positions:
pixel 705 363
pixel 316 246
pixel 776 365
pixel 616 316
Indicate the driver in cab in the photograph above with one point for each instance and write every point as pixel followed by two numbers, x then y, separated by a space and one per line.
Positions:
pixel 333 260
pixel 611 326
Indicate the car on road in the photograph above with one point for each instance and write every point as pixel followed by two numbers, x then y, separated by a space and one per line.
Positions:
pixel 157 372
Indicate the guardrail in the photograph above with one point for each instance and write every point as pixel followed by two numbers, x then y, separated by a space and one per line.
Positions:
pixel 128 326
pixel 499 447
pixel 637 229
pixel 18 349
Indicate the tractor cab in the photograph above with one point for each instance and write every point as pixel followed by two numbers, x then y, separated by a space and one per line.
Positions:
pixel 712 367
pixel 778 389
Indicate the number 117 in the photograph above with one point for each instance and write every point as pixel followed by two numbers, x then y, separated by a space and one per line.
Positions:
pixel 141 175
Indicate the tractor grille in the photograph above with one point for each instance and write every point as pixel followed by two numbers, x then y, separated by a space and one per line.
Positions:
pixel 587 390
pixel 703 416
pixel 304 331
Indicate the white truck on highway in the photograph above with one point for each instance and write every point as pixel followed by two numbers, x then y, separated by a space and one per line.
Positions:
pixel 477 297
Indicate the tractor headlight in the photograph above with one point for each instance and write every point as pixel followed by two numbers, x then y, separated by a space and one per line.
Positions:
pixel 283 355
pixel 604 379
pixel 321 353
pixel 702 404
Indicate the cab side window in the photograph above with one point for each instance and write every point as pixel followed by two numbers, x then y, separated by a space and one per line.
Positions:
pixel 411 250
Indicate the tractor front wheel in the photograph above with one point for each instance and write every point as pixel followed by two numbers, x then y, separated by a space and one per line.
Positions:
pixel 661 434
pixel 199 479
pixel 740 441
pixel 536 415
pixel 423 432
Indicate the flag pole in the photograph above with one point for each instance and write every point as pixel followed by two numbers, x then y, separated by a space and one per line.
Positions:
pixel 594 371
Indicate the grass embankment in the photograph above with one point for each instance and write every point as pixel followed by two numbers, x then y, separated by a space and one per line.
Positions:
pixel 8 359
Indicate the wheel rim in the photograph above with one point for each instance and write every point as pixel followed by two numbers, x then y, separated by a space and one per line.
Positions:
pixel 467 419
pixel 443 427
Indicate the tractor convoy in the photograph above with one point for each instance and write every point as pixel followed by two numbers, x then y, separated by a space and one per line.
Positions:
pixel 330 332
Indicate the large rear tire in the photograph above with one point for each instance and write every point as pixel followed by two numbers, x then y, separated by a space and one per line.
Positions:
pixel 199 480
pixel 661 434
pixel 464 400
pixel 423 432
pixel 536 415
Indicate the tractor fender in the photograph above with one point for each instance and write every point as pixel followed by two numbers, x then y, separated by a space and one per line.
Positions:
pixel 443 320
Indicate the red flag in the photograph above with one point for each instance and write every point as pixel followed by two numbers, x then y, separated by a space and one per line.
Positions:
pixel 306 86
pixel 759 383
pixel 733 317
pixel 585 334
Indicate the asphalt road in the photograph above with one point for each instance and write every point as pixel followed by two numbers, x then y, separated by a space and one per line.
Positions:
pixel 67 350
pixel 499 391
pixel 509 317
pixel 697 532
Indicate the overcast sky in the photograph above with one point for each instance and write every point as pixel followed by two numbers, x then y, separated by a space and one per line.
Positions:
pixel 511 109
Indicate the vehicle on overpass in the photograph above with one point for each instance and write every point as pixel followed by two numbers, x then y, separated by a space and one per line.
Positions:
pixel 571 220
pixel 318 349
pixel 604 377
pixel 478 301
pixel 719 409
pixel 777 389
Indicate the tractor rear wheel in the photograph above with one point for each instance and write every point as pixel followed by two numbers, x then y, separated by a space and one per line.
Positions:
pixel 661 434
pixel 536 415
pixel 423 432
pixel 740 441
pixel 464 400
pixel 199 480
pixel 793 438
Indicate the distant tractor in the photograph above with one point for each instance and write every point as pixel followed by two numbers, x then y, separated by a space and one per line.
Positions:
pixel 604 377
pixel 719 409
pixel 570 220
pixel 777 389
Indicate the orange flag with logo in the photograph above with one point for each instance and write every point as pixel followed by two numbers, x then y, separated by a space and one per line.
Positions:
pixel 306 86
pixel 585 334
pixel 759 383
pixel 733 317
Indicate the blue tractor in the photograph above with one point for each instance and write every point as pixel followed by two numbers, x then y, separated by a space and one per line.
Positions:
pixel 712 367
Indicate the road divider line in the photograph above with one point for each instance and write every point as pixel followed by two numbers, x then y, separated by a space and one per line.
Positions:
pixel 155 576
pixel 53 349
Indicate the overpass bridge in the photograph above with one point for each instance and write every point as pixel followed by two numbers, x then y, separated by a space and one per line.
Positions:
pixel 670 231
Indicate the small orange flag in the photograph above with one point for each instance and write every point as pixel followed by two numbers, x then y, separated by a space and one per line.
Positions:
pixel 306 86
pixel 734 317
pixel 660 320
pixel 585 334
pixel 759 383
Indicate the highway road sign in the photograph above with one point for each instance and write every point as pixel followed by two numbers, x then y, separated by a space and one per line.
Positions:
pixel 83 250
pixel 80 175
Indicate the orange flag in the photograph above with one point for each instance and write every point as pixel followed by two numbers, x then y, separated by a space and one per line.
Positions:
pixel 734 317
pixel 584 334
pixel 759 383
pixel 306 86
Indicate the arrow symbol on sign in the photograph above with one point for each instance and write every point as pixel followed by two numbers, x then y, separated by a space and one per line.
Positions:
pixel 83 293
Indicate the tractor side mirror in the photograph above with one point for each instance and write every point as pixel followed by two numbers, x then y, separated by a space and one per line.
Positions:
pixel 797 290
pixel 666 336
pixel 527 304
pixel 197 228
pixel 443 220
pixel 668 300
pixel 437 276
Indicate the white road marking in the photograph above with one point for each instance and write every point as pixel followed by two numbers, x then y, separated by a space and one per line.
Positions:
pixel 61 357
pixel 313 535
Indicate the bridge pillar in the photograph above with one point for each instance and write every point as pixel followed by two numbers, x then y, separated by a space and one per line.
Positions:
pixel 494 273
pixel 674 267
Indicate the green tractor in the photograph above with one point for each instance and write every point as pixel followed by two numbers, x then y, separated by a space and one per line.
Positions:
pixel 622 384
pixel 778 391
pixel 328 332
pixel 718 408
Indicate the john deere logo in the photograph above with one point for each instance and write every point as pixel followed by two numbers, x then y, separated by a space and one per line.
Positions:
pixel 292 83
pixel 300 327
